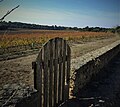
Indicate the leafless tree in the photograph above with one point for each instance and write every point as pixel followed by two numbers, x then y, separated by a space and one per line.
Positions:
pixel 9 13
pixel 1 19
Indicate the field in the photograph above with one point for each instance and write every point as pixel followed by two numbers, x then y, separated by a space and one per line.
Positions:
pixel 19 70
pixel 31 37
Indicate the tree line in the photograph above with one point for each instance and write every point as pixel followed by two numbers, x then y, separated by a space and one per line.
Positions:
pixel 15 25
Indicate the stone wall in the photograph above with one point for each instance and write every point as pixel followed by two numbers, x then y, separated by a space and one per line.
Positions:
pixel 89 65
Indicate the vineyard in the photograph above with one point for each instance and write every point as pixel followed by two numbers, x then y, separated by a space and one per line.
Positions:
pixel 32 37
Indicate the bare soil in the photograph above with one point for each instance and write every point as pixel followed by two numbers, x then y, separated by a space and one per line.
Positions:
pixel 19 70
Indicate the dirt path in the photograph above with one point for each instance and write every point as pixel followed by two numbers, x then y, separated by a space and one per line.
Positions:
pixel 19 70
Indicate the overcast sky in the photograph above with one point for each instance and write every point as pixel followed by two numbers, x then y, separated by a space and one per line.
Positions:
pixel 75 13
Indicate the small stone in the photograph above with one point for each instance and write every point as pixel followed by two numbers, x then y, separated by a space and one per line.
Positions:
pixel 6 86
pixel 101 101
pixel 97 105
pixel 1 92
pixel 91 105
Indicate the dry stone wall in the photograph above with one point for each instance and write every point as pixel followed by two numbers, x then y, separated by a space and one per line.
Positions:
pixel 89 65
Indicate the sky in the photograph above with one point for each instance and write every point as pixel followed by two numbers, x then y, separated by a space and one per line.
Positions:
pixel 71 13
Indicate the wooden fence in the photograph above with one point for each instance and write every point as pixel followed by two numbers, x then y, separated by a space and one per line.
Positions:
pixel 52 73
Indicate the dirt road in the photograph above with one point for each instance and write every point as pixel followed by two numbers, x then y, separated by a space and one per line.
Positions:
pixel 19 70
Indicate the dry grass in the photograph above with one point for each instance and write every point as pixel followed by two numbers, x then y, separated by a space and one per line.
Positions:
pixel 28 37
